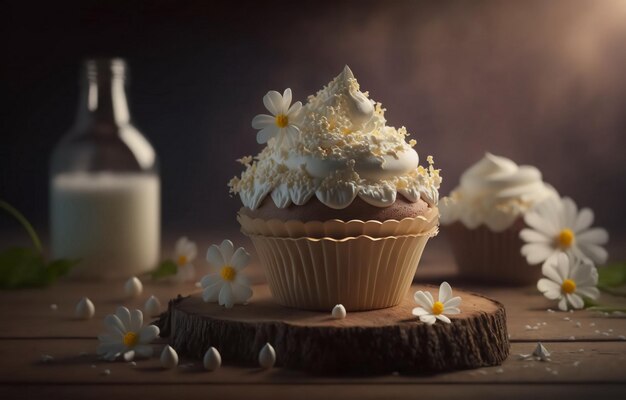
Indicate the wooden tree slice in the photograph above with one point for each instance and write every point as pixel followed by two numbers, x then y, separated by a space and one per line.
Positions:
pixel 376 341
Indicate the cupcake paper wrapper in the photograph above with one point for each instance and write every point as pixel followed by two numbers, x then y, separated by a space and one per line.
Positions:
pixel 339 229
pixel 491 257
pixel 362 273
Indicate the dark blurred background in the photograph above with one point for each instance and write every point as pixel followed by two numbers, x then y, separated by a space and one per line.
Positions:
pixel 541 82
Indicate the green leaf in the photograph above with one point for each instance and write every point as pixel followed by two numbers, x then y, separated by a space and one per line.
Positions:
pixel 608 309
pixel 59 268
pixel 612 275
pixel 23 221
pixel 590 302
pixel 166 268
pixel 22 267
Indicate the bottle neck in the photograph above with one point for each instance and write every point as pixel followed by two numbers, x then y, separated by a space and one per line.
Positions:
pixel 103 93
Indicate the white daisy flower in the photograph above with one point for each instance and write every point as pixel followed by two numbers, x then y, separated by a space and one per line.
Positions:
pixel 432 310
pixel 559 228
pixel 568 280
pixel 126 335
pixel 226 284
pixel 185 252
pixel 283 121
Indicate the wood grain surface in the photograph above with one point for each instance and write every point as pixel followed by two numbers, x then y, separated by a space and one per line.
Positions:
pixel 588 351
pixel 384 340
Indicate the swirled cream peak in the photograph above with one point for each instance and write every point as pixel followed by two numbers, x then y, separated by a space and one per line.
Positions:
pixel 343 149
pixel 494 192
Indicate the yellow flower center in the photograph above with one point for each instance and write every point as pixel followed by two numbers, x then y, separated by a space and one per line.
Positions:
pixel 282 120
pixel 565 238
pixel 568 286
pixel 437 308
pixel 182 260
pixel 228 273
pixel 131 339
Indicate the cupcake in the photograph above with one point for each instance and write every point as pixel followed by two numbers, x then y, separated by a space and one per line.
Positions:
pixel 336 204
pixel 483 216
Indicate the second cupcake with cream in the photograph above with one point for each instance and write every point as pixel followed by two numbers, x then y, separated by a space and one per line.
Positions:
pixel 484 215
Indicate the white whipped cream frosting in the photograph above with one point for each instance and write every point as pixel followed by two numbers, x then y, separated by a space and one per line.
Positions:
pixel 495 192
pixel 344 150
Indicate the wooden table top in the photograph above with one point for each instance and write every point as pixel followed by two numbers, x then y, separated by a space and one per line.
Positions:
pixel 588 351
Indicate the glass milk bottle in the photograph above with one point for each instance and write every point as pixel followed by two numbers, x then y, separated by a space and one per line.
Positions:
pixel 104 183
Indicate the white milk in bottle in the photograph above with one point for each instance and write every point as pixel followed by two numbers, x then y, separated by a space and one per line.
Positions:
pixel 104 184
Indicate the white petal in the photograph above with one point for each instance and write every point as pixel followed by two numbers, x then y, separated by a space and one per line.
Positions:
pixel 129 356
pixel 136 320
pixel 423 300
pixel 580 272
pixel 445 292
pixel 262 121
pixel 240 259
pixel 211 293
pixel 110 348
pixel 536 253
pixel 241 293
pixel 549 270
pixel 443 318
pixel 242 279
pixel 214 257
pixel 453 302
pixel 419 311
pixel 227 249
pixel 429 296
pixel 532 236
pixel 292 131
pixel 570 212
pixel 114 325
pixel 148 333
pixel 549 288
pixel 575 300
pixel 273 101
pixel 226 296
pixel 265 134
pixel 286 101
pixel 563 304
pixel 181 243
pixel 534 220
pixel 584 220
pixel 209 280
pixel 593 236
pixel 589 291
pixel 123 314
pixel 452 310
pixel 563 266
pixel 428 319
pixel 598 254
pixel 294 111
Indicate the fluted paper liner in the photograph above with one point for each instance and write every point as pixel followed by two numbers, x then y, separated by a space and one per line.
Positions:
pixel 362 273
pixel 491 257
pixel 338 229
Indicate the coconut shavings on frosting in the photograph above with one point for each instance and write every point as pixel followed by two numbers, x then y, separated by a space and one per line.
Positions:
pixel 495 192
pixel 340 147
